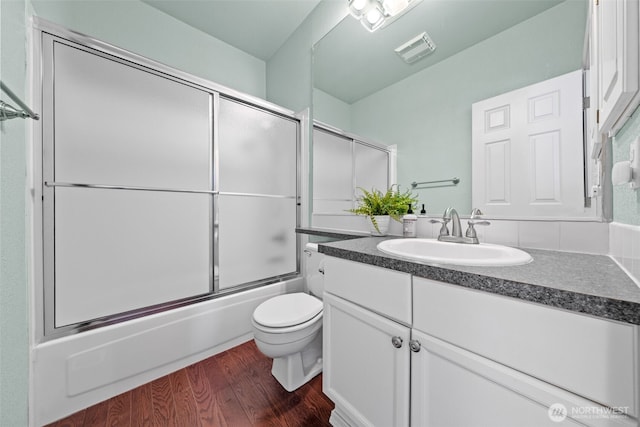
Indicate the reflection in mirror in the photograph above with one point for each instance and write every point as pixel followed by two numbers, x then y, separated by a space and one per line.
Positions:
pixel 483 48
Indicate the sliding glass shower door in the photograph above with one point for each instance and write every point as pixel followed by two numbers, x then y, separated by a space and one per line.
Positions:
pixel 156 191
pixel 257 181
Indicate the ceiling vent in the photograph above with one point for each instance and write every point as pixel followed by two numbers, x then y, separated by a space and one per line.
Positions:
pixel 416 48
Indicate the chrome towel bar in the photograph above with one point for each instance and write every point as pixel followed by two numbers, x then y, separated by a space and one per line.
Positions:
pixel 454 181
pixel 8 112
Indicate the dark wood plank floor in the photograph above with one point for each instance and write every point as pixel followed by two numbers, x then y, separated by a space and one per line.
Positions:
pixel 234 389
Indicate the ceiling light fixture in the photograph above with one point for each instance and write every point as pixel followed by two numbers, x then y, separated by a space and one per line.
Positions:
pixel 374 14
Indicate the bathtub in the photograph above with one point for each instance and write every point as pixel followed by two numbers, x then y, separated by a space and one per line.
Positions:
pixel 71 373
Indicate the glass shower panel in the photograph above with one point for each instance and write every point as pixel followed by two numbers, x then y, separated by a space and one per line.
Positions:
pixel 119 125
pixel 332 167
pixel 257 238
pixel 257 151
pixel 372 168
pixel 118 250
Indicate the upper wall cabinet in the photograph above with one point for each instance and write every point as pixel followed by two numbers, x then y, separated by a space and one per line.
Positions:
pixel 616 39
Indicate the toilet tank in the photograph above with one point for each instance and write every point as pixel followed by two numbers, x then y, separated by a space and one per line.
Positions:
pixel 314 262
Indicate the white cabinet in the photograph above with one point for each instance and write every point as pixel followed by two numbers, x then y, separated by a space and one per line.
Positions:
pixel 366 371
pixel 454 387
pixel 460 357
pixel 366 332
pixel 615 24
pixel 556 346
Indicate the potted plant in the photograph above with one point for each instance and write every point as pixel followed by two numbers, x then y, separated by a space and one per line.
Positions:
pixel 380 207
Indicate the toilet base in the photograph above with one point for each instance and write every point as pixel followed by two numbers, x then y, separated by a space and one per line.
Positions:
pixel 297 369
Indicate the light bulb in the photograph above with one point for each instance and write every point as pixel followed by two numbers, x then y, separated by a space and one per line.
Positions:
pixel 359 4
pixel 373 16
pixel 393 7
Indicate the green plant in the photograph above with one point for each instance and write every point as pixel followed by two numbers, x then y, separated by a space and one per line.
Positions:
pixel 392 203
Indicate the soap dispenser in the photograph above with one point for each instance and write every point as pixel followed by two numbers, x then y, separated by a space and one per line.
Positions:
pixel 409 224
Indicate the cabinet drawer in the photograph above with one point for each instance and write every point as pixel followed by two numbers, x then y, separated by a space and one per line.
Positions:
pixel 591 357
pixel 386 292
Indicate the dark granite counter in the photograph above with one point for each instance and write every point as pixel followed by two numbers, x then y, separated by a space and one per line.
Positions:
pixel 590 284
pixel 332 234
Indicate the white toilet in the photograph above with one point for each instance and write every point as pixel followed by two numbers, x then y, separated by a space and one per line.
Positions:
pixel 288 328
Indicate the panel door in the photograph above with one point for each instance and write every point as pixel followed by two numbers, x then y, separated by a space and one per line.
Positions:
pixel 451 387
pixel 617 58
pixel 528 150
pixel 364 374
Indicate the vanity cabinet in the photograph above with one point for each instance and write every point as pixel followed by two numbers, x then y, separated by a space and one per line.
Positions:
pixel 366 333
pixel 366 371
pixel 461 357
pixel 454 387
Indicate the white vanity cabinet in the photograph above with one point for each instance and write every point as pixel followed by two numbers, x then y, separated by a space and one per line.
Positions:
pixel 486 359
pixel 367 313
pixel 408 351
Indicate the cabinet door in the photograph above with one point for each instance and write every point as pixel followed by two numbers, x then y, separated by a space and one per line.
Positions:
pixel 453 387
pixel 365 375
pixel 617 43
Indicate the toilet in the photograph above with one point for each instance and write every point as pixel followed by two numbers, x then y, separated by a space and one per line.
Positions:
pixel 288 328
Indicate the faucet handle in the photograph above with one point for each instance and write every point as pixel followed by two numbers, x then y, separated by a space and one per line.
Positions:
pixel 476 213
pixel 444 231
pixel 471 231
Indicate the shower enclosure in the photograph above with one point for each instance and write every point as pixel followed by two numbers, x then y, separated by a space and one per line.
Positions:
pixel 158 189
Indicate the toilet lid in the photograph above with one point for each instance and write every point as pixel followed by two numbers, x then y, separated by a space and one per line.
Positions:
pixel 287 310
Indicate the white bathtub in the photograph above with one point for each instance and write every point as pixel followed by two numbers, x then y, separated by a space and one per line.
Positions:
pixel 74 372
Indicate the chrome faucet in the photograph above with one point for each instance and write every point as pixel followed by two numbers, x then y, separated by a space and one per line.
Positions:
pixel 450 214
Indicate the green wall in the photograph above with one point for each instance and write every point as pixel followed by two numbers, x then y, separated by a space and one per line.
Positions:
pixel 626 202
pixel 331 110
pixel 14 313
pixel 142 29
pixel 131 25
pixel 428 115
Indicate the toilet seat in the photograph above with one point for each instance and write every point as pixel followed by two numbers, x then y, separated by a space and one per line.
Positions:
pixel 285 311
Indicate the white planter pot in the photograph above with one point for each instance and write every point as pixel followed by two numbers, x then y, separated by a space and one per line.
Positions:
pixel 383 225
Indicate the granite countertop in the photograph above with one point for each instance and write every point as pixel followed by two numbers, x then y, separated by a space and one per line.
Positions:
pixel 333 234
pixel 590 284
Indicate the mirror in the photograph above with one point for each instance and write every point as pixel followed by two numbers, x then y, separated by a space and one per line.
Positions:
pixel 483 48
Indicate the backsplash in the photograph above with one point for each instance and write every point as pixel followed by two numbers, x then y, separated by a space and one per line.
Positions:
pixel 620 241
pixel 571 236
pixel 624 247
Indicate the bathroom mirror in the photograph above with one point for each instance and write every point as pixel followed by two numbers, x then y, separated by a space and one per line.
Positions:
pixel 483 48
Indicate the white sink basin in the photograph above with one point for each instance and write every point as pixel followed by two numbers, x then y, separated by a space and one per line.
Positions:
pixel 432 250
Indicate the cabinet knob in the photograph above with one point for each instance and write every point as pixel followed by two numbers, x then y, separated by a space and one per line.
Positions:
pixel 414 345
pixel 396 341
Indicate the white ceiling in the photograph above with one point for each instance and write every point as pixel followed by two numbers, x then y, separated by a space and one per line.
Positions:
pixel 258 27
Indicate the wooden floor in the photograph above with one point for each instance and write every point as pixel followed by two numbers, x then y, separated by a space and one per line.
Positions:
pixel 234 389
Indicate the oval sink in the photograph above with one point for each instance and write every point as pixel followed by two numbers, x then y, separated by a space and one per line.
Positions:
pixel 432 250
